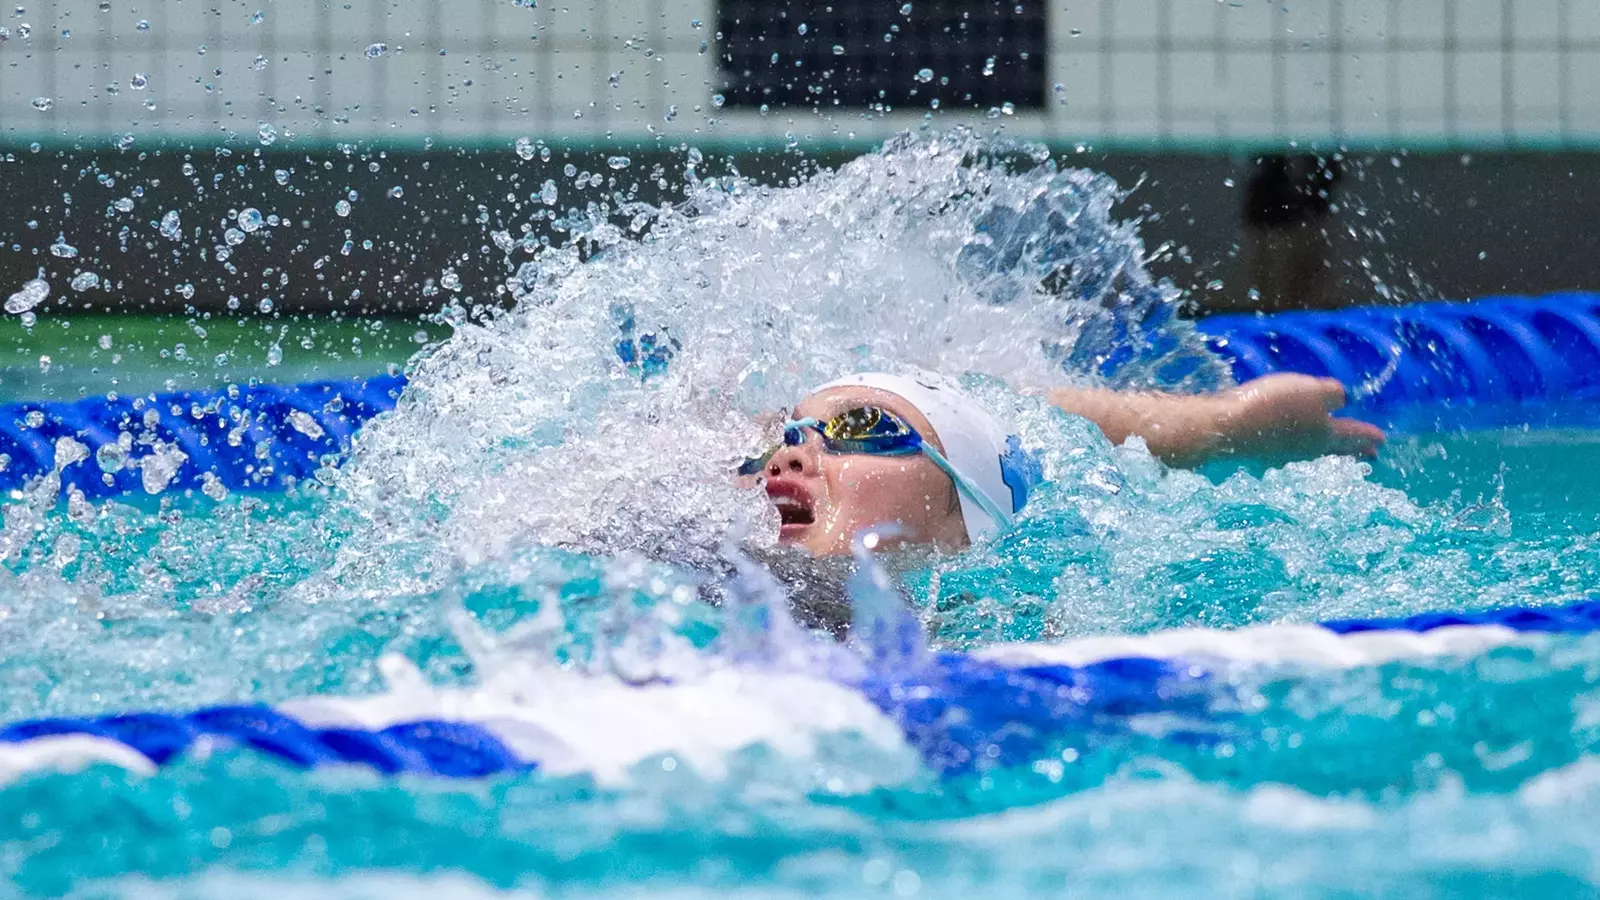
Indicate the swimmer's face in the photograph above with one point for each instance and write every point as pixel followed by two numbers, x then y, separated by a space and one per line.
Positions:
pixel 826 499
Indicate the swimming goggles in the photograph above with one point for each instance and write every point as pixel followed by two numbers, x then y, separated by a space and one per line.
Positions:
pixel 872 431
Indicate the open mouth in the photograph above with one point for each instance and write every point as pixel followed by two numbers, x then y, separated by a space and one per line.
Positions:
pixel 794 506
pixel 792 512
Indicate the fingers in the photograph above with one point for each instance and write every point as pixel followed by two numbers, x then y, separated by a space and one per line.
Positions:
pixel 1325 392
pixel 1349 437
pixel 1331 393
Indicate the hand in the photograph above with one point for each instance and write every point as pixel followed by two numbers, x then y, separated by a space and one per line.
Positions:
pixel 1288 416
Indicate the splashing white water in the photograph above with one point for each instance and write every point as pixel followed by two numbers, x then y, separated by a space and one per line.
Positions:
pixel 938 252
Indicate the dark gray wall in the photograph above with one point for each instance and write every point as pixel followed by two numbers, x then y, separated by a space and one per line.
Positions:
pixel 1411 227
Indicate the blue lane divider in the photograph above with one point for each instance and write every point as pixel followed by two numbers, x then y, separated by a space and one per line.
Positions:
pixel 962 713
pixel 1495 362
pixel 255 438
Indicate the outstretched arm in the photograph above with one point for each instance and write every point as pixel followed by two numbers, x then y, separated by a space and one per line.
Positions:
pixel 1282 416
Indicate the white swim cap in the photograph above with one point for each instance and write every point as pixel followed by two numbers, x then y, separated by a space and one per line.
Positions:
pixel 992 461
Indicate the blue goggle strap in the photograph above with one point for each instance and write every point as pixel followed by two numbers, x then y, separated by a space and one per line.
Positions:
pixel 966 487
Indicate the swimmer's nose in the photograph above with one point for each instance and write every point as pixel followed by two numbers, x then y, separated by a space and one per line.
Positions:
pixel 793 461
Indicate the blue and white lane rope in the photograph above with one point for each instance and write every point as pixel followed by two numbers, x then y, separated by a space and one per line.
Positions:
pixel 1433 366
pixel 962 712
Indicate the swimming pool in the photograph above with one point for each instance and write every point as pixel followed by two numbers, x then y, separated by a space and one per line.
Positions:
pixel 476 559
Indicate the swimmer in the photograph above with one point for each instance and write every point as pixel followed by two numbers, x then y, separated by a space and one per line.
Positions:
pixel 918 454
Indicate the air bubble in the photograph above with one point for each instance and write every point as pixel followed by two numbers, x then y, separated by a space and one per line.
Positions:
pixel 250 219
pixel 376 50
pixel 342 208
pixel 526 148
pixel 139 81
pixel 43 104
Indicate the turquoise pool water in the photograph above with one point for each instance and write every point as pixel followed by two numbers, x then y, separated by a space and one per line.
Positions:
pixel 544 537
pixel 1416 777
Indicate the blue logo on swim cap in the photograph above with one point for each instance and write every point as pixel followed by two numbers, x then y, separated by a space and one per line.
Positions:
pixel 1020 470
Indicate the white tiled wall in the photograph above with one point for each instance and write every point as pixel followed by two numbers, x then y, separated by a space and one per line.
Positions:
pixel 1163 72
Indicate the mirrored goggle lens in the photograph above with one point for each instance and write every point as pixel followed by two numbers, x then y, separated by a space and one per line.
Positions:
pixel 865 423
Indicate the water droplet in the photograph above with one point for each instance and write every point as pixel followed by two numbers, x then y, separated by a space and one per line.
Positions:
pixel 838 49
pixel 696 23
pixel 32 294
pixel 802 29
pixel 274 355
pixel 301 421
pixel 259 17
pixel 171 225
pixel 43 104
pixel 397 192
pixel 259 64
pixel 123 204
pixel 233 236
pixel 84 281
pixel 143 25
pixel 549 193
pixel 342 208
pixel 618 162
pixel 717 100
pixel 924 75
pixel 250 219
pixel 376 50
pixel 450 280
pixel 125 142
pixel 281 176
pixel 266 133
pixel 63 249
pixel 526 148
pixel 525 4
pixel 105 342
